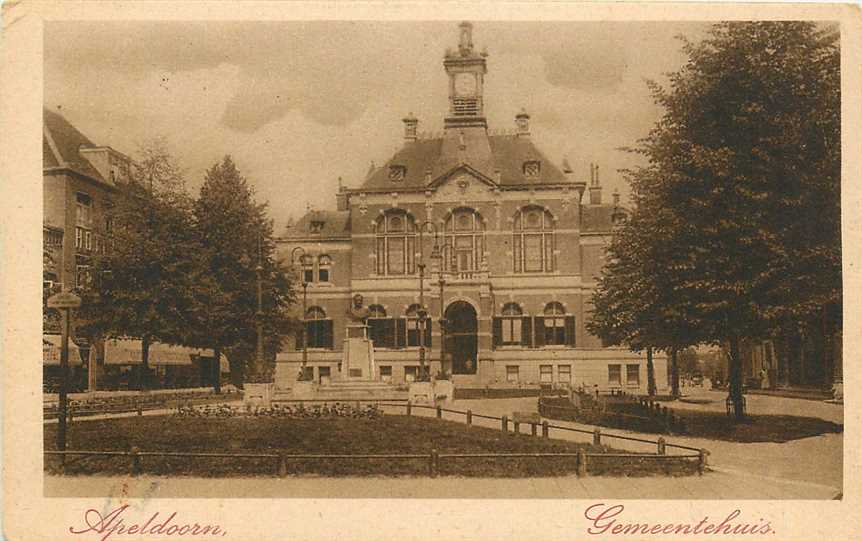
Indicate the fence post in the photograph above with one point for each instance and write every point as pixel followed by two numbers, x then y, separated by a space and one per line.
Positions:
pixel 136 461
pixel 439 412
pixel 701 461
pixel 597 436
pixel 582 462
pixel 545 428
pixel 504 424
pixel 516 427
pixel 661 446
pixel 469 418
pixel 532 429
pixel 71 415
pixel 433 463
pixel 282 466
pixel 409 409
pixel 140 408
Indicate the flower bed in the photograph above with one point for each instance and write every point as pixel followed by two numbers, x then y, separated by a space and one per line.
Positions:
pixel 338 409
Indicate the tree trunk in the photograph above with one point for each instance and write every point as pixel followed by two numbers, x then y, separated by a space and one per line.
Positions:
pixel 216 370
pixel 674 373
pixel 143 383
pixel 650 371
pixel 735 369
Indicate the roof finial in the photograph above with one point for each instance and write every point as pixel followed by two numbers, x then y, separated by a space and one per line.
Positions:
pixel 465 43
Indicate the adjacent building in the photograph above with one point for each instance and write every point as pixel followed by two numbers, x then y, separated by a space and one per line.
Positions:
pixel 481 231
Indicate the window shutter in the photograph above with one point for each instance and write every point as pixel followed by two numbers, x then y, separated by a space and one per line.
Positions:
pixel 570 331
pixel 312 334
pixel 400 332
pixel 327 333
pixel 539 324
pixel 527 331
pixel 387 333
pixel 428 327
pixel 497 331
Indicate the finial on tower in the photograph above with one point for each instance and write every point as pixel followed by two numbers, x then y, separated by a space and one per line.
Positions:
pixel 465 43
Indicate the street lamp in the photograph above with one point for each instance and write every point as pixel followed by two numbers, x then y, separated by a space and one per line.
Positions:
pixel 301 250
pixel 439 253
pixel 423 313
pixel 259 270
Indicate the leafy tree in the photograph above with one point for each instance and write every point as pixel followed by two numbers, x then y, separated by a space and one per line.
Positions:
pixel 235 237
pixel 744 167
pixel 142 282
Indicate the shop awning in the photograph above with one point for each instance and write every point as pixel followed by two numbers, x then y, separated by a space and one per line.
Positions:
pixel 128 351
pixel 51 345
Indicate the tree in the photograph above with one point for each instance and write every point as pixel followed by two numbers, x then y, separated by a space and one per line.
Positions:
pixel 236 236
pixel 744 165
pixel 142 282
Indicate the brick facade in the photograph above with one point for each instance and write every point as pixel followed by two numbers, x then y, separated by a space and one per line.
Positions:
pixel 518 244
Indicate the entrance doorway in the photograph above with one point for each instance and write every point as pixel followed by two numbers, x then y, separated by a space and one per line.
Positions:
pixel 461 339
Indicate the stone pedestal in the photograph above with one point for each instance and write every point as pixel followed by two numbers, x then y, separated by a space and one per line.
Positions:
pixel 302 390
pixel 444 392
pixel 421 392
pixel 258 394
pixel 358 361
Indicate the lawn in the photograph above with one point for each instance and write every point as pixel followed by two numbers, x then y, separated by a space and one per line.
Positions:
pixel 702 424
pixel 392 434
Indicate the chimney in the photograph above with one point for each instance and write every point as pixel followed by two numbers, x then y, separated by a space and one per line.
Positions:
pixel 522 121
pixel 595 187
pixel 342 200
pixel 411 123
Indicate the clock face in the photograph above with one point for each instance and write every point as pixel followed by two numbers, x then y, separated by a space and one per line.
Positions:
pixel 465 84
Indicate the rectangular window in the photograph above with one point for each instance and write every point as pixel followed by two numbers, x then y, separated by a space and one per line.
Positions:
pixel 381 255
pixel 377 331
pixel 412 332
pixel 411 373
pixel 308 276
pixel 323 275
pixel 83 210
pixel 324 374
pixel 511 331
pixel 319 333
pixel 512 374
pixel 555 331
pixel 614 374
pixel 533 253
pixel 633 374
pixel 546 373
pixel 82 276
pixel 564 374
pixel 386 373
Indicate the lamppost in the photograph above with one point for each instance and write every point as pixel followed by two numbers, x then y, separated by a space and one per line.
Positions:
pixel 423 313
pixel 300 249
pixel 259 270
pixel 439 253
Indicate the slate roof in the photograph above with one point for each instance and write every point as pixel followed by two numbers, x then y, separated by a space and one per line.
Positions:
pixel 60 144
pixel 485 153
pixel 336 224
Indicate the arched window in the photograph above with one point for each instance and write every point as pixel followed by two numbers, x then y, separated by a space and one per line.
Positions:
pixel 554 324
pixel 318 328
pixel 396 243
pixel 511 325
pixel 412 316
pixel 464 232
pixel 306 262
pixel 533 240
pixel 324 263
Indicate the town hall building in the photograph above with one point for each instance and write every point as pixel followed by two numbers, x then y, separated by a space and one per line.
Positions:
pixel 469 252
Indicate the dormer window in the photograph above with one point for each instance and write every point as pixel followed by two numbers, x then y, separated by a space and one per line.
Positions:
pixel 397 173
pixel 532 169
pixel 316 226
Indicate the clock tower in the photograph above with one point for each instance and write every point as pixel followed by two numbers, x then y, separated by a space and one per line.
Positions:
pixel 466 70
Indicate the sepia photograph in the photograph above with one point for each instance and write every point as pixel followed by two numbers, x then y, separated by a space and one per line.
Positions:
pixel 443 259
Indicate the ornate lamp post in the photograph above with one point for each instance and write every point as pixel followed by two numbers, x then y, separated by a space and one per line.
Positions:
pixel 259 369
pixel 423 313
pixel 301 250
pixel 439 253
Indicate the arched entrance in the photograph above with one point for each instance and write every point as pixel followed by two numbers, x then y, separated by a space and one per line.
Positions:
pixel 461 338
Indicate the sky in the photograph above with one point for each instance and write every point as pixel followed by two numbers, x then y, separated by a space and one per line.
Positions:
pixel 300 104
